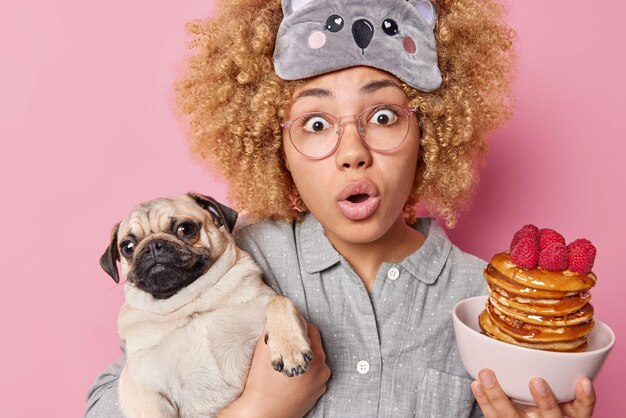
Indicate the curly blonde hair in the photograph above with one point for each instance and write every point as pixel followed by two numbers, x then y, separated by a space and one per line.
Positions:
pixel 236 103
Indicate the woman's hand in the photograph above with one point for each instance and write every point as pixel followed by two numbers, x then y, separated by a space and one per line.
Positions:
pixel 494 402
pixel 269 393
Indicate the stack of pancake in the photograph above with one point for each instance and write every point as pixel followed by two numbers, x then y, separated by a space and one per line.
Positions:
pixel 537 308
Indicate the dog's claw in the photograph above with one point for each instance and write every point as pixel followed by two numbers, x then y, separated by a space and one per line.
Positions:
pixel 278 365
pixel 290 349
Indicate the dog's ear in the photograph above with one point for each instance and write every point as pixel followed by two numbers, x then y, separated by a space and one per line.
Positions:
pixel 222 215
pixel 108 261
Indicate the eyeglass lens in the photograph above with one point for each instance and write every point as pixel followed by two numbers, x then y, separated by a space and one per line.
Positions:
pixel 381 127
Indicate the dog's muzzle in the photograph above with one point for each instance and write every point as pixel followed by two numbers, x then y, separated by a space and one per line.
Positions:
pixel 163 268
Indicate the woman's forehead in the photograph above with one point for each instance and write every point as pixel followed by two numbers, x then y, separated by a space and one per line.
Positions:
pixel 359 81
pixel 352 76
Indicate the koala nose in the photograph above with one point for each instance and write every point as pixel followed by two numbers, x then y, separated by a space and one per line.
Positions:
pixel 156 247
pixel 362 32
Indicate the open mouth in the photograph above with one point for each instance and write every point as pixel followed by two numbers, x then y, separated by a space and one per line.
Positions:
pixel 358 198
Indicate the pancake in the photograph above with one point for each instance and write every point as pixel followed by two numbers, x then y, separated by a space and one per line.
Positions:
pixel 584 314
pixel 542 306
pixel 526 332
pixel 494 277
pixel 489 329
pixel 538 278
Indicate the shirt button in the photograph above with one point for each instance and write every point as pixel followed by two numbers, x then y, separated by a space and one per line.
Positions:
pixel 363 367
pixel 393 273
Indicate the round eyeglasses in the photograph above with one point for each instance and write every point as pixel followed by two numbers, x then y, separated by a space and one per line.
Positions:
pixel 382 127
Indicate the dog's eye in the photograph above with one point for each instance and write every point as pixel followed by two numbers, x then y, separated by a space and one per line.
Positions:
pixel 186 230
pixel 128 248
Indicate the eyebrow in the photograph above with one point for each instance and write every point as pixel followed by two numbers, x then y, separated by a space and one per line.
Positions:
pixel 314 92
pixel 370 88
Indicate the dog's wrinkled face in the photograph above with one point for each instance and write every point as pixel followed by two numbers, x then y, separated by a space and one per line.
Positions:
pixel 166 244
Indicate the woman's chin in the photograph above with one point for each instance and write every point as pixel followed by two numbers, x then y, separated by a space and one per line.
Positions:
pixel 366 231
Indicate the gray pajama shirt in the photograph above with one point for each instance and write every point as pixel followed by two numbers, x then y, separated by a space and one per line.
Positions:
pixel 392 352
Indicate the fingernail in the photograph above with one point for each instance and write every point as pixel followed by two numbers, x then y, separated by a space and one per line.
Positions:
pixel 485 378
pixel 477 388
pixel 540 387
pixel 587 388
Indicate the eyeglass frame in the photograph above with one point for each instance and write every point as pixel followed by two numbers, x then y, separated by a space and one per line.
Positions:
pixel 289 123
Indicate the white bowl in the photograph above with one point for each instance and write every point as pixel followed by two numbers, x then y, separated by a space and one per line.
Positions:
pixel 515 366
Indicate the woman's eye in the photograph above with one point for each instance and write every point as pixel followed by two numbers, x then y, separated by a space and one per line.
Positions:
pixel 128 248
pixel 316 124
pixel 383 117
pixel 186 230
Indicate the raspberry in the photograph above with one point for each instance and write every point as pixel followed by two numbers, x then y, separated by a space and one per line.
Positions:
pixel 547 237
pixel 554 257
pixel 526 253
pixel 527 231
pixel 582 254
pixel 581 242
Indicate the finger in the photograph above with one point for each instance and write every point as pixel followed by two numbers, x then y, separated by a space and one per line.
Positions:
pixel 316 343
pixel 318 365
pixel 499 401
pixel 544 398
pixel 585 402
pixel 314 334
pixel 483 400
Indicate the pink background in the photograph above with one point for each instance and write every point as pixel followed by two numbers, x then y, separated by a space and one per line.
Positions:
pixel 88 130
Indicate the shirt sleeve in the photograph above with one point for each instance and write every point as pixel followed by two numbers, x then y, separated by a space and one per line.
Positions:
pixel 272 246
pixel 102 399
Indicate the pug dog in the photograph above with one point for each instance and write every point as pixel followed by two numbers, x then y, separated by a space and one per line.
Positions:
pixel 195 305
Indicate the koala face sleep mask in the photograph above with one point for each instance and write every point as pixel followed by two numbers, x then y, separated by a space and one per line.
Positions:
pixel 397 36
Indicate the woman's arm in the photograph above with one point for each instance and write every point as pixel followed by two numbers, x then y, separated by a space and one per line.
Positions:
pixel 102 399
pixel 269 393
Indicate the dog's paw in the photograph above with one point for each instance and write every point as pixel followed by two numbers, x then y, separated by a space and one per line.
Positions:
pixel 290 354
pixel 286 336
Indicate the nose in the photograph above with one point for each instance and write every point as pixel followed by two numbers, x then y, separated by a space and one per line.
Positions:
pixel 362 32
pixel 156 247
pixel 352 153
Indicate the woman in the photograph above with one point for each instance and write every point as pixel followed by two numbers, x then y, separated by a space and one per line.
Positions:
pixel 333 163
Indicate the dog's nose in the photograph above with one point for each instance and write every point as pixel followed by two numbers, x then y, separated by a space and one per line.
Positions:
pixel 156 247
pixel 362 32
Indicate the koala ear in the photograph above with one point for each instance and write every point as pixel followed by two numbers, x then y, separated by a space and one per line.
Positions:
pixel 222 215
pixel 291 6
pixel 108 261
pixel 427 11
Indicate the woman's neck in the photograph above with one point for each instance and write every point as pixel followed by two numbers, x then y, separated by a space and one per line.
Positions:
pixel 395 245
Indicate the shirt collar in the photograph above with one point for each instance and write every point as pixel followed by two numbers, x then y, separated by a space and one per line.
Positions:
pixel 317 252
pixel 424 264
pixel 427 263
